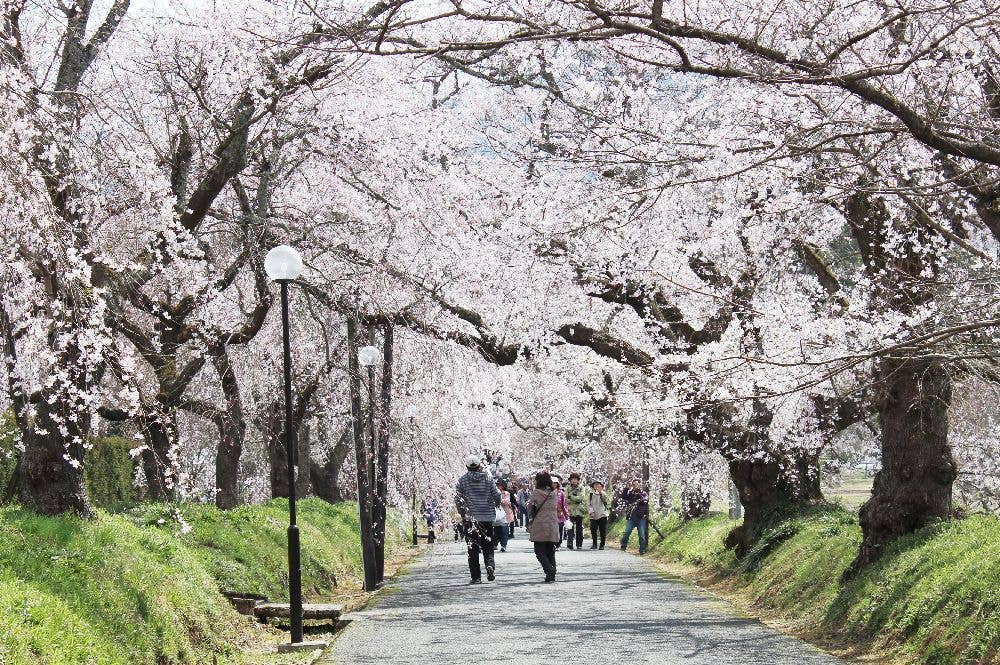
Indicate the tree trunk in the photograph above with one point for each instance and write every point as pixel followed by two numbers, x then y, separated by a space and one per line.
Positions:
pixel 227 464
pixel 232 431
pixel 160 433
pixel 276 454
pixel 49 473
pixel 303 461
pixel 766 485
pixel 326 476
pixel 914 487
pixel 49 483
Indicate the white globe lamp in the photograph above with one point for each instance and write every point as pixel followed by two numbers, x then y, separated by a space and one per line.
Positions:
pixel 369 356
pixel 283 263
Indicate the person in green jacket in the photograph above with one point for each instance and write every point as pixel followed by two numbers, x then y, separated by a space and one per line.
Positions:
pixel 576 497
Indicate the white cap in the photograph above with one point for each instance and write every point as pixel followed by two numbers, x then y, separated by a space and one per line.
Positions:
pixel 472 461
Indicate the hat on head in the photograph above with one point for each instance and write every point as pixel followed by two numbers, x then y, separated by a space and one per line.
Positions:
pixel 472 461
pixel 596 481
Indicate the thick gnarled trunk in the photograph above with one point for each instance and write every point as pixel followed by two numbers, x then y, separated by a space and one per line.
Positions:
pixel 326 476
pixel 769 484
pixel 50 482
pixel 914 487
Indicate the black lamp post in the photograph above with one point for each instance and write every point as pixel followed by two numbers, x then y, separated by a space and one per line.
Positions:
pixel 283 265
pixel 410 414
pixel 368 357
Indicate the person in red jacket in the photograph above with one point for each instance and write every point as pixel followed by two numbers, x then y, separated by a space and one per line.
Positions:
pixel 562 508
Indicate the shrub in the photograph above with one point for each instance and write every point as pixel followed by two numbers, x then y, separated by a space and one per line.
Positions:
pixel 109 473
pixel 8 451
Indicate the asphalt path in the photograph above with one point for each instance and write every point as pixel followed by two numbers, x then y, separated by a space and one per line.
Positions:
pixel 605 607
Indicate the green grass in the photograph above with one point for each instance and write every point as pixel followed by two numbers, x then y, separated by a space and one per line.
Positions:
pixel 128 588
pixel 934 598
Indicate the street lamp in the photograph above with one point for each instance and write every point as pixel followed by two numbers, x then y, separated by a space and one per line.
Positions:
pixel 411 413
pixel 368 357
pixel 284 264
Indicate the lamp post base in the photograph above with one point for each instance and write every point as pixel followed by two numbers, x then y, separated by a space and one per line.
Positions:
pixel 292 647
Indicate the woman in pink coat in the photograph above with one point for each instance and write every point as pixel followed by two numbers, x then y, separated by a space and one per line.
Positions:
pixel 505 501
pixel 562 509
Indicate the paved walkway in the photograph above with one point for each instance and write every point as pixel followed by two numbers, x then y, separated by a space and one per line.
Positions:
pixel 607 607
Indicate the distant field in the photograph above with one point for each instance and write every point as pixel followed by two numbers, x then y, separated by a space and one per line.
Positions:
pixel 851 490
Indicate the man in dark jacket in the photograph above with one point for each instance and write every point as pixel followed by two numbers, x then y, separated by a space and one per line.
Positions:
pixel 634 503
pixel 477 498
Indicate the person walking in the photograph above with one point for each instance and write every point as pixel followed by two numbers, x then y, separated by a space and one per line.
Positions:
pixel 507 502
pixel 430 509
pixel 635 504
pixel 522 503
pixel 543 523
pixel 477 499
pixel 500 530
pixel 576 499
pixel 597 507
pixel 501 525
pixel 562 510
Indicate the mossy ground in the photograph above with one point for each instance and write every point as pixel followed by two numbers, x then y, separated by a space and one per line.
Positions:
pixel 132 588
pixel 934 598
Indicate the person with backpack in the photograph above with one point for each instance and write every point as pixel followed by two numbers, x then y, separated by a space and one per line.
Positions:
pixel 597 506
pixel 477 499
pixel 634 502
pixel 543 523
pixel 576 499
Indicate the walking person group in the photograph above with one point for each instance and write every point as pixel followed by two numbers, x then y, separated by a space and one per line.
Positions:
pixel 490 511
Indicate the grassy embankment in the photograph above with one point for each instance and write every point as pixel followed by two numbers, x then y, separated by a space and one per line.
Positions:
pixel 933 598
pixel 132 588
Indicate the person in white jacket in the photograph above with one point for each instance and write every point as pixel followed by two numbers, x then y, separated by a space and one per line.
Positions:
pixel 598 507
